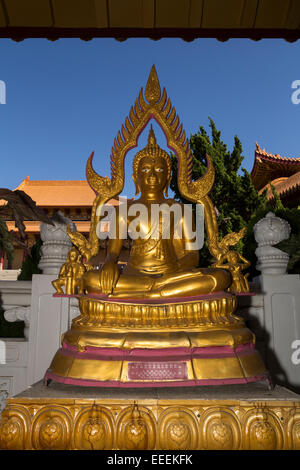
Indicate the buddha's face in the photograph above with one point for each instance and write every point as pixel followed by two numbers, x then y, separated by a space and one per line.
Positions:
pixel 73 255
pixel 152 174
pixel 233 257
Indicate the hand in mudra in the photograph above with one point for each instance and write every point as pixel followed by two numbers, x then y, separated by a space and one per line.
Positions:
pixel 109 276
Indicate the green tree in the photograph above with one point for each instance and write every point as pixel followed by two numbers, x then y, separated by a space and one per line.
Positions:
pixel 30 264
pixel 19 207
pixel 6 246
pixel 233 194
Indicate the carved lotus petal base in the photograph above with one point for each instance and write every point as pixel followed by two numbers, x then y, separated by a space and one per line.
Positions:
pixel 204 311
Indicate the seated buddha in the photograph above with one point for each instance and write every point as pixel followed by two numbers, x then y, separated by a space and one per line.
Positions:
pixel 162 263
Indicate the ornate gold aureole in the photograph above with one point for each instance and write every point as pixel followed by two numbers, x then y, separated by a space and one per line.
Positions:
pixel 156 106
pixel 173 424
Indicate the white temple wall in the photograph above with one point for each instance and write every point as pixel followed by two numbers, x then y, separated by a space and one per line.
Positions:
pixel 273 314
pixel 24 361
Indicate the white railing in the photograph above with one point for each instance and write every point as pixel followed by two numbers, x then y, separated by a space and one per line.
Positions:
pixel 15 300
pixel 9 274
pixel 25 361
pixel 15 294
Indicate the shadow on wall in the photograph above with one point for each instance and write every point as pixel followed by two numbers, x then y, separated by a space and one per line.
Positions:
pixel 270 358
pixel 9 329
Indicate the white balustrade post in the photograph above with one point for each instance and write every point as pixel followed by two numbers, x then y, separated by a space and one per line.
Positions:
pixel 49 315
pixel 268 232
pixel 25 361
pixel 56 243
pixel 281 300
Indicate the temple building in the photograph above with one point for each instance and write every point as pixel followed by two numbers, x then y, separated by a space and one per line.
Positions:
pixel 283 173
pixel 73 198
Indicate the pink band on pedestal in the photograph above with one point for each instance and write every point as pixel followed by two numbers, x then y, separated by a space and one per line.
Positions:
pixel 180 383
pixel 116 354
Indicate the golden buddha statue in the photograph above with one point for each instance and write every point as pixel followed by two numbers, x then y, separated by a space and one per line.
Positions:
pixel 162 321
pixel 158 266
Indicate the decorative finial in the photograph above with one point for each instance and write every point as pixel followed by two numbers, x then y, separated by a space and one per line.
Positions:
pixel 152 91
pixel 151 138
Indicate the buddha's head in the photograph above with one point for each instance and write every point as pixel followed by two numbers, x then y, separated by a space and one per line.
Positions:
pixel 233 257
pixel 73 255
pixel 152 168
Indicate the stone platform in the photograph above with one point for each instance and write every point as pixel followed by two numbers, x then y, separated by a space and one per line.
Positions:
pixel 223 417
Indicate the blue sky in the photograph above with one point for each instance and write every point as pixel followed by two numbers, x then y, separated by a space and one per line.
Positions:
pixel 67 98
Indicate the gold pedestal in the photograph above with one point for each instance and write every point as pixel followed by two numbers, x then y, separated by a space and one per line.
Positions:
pixel 194 341
pixel 217 418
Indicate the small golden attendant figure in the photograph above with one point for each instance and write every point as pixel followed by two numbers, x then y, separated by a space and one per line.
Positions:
pixel 162 321
pixel 70 275
pixel 235 267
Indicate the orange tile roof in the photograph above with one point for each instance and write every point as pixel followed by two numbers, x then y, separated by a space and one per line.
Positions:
pixel 268 167
pixel 284 186
pixel 60 193
pixel 82 226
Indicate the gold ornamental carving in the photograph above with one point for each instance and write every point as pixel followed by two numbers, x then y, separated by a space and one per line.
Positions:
pixel 101 313
pixel 12 433
pixel 220 429
pixel 178 430
pixel 220 435
pixel 51 429
pixel 14 428
pixel 50 435
pixel 178 435
pixel 163 424
pixel 293 430
pixel 262 430
pixel 136 429
pixel 94 429
pixel 94 434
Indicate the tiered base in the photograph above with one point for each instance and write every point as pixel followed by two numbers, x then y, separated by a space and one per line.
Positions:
pixel 113 367
pixel 191 341
pixel 217 418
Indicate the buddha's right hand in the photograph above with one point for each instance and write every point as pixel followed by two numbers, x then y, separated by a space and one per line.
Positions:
pixel 109 276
